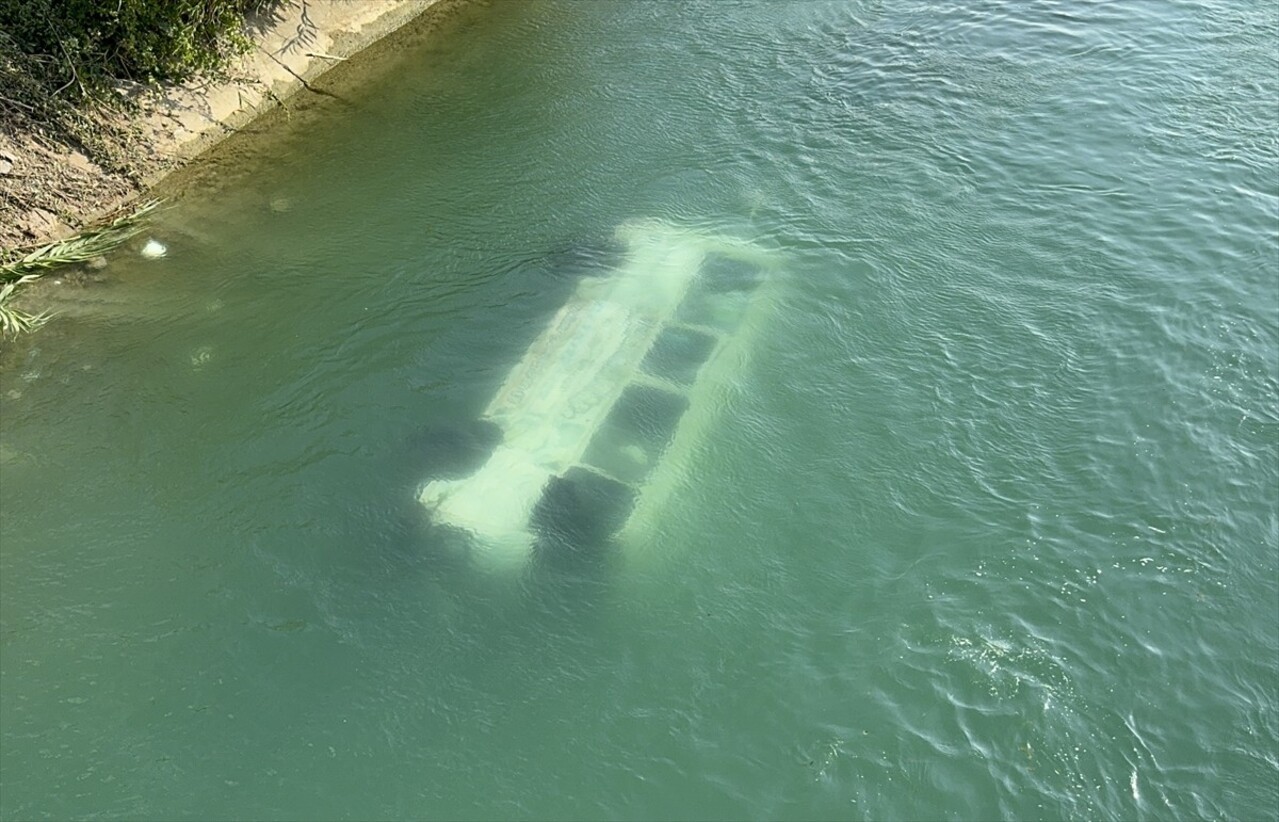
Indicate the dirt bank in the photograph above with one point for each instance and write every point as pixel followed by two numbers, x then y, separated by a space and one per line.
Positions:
pixel 51 187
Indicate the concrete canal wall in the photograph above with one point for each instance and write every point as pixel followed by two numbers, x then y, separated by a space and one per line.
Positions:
pixel 49 191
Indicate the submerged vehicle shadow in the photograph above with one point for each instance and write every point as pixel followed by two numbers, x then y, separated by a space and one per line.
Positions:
pixel 442 450
pixel 449 450
pixel 576 520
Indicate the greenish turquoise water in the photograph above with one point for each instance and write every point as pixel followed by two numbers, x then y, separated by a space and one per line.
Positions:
pixel 987 527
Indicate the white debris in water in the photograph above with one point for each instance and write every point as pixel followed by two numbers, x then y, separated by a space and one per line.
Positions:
pixel 154 249
pixel 201 356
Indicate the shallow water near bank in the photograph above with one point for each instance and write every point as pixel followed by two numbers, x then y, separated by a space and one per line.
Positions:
pixel 985 525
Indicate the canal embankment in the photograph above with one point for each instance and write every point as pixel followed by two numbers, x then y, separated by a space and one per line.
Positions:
pixel 52 186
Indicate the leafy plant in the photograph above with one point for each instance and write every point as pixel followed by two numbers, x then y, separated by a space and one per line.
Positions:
pixel 14 321
pixel 81 248
pixel 138 40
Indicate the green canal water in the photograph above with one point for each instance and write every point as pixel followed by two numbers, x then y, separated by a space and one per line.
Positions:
pixel 985 525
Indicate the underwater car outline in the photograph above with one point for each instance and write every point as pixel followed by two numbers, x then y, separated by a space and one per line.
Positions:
pixel 622 375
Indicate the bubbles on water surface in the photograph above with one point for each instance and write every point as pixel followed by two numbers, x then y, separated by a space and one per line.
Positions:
pixel 1055 747
pixel 1011 668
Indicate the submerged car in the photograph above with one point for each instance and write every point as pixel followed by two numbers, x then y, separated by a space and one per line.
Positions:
pixel 596 416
